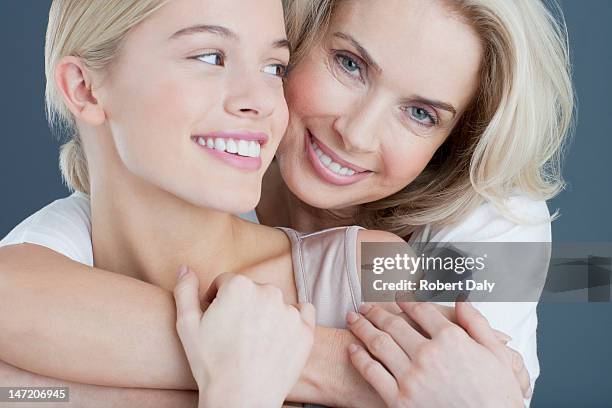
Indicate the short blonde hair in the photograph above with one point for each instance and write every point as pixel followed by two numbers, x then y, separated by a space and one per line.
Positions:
pixel 511 137
pixel 92 30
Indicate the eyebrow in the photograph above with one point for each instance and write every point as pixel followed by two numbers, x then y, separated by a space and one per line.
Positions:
pixel 223 32
pixel 360 49
pixel 205 28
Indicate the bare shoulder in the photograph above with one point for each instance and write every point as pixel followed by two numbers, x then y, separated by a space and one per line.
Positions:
pixel 377 236
pixel 270 260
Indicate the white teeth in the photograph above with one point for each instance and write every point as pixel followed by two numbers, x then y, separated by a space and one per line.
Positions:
pixel 241 147
pixel 220 144
pixel 253 148
pixel 326 160
pixel 332 165
pixel 231 146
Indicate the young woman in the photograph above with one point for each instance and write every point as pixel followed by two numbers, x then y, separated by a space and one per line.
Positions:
pixel 422 148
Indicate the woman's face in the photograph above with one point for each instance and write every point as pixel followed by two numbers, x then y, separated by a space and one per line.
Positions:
pixel 195 101
pixel 373 101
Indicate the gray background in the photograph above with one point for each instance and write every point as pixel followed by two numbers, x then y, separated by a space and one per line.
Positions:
pixel 574 339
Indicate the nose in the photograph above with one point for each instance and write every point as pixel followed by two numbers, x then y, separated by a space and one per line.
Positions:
pixel 361 126
pixel 249 96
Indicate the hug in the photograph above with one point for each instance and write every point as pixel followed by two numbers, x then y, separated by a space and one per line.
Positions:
pixel 339 122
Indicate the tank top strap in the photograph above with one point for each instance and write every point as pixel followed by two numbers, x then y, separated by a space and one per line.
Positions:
pixel 325 271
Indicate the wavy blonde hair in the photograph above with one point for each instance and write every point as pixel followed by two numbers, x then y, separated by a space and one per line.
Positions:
pixel 512 135
pixel 92 30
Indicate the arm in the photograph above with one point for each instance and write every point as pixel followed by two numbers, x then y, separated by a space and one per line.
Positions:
pixel 94 396
pixel 119 331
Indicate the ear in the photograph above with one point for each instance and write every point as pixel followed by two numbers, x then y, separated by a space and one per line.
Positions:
pixel 74 83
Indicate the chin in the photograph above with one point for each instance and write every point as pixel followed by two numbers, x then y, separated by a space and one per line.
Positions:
pixel 322 201
pixel 228 201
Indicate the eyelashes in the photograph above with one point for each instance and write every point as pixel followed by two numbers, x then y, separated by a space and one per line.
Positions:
pixel 217 58
pixel 351 66
pixel 279 70
pixel 421 115
pixel 212 58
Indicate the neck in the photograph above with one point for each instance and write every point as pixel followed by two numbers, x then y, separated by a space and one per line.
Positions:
pixel 306 218
pixel 280 207
pixel 142 231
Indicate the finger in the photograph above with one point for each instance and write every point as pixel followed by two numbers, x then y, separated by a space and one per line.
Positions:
pixel 447 311
pixel 426 315
pixel 188 311
pixel 520 372
pixel 501 336
pixel 408 338
pixel 374 373
pixel 380 344
pixel 307 312
pixel 477 326
pixel 219 281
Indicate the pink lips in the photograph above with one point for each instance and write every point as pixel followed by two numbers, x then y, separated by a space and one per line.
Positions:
pixel 247 164
pixel 325 173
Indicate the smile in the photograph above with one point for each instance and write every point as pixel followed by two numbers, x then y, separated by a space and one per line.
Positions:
pixel 329 166
pixel 240 150
pixel 242 147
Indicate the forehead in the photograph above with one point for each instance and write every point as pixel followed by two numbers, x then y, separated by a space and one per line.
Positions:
pixel 421 45
pixel 252 20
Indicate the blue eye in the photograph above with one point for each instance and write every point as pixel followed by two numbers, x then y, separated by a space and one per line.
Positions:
pixel 422 116
pixel 213 58
pixel 349 65
pixel 278 70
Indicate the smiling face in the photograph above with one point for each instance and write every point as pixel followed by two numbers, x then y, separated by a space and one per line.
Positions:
pixel 371 103
pixel 195 101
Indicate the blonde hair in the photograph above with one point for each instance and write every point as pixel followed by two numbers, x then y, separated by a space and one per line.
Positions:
pixel 92 30
pixel 511 137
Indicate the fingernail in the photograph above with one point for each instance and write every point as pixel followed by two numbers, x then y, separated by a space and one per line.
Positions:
pixel 529 393
pixel 181 272
pixel 352 317
pixel 469 304
pixel 353 348
pixel 504 337
pixel 365 308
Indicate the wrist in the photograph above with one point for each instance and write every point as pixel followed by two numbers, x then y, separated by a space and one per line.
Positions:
pixel 231 394
pixel 329 378
pixel 317 382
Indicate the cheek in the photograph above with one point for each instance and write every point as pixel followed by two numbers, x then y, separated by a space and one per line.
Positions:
pixel 312 91
pixel 141 105
pixel 148 132
pixel 402 164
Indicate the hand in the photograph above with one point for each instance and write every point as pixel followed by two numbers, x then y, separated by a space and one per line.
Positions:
pixel 249 347
pixel 466 316
pixel 451 368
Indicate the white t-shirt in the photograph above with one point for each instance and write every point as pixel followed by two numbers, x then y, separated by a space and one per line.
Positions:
pixel 64 226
